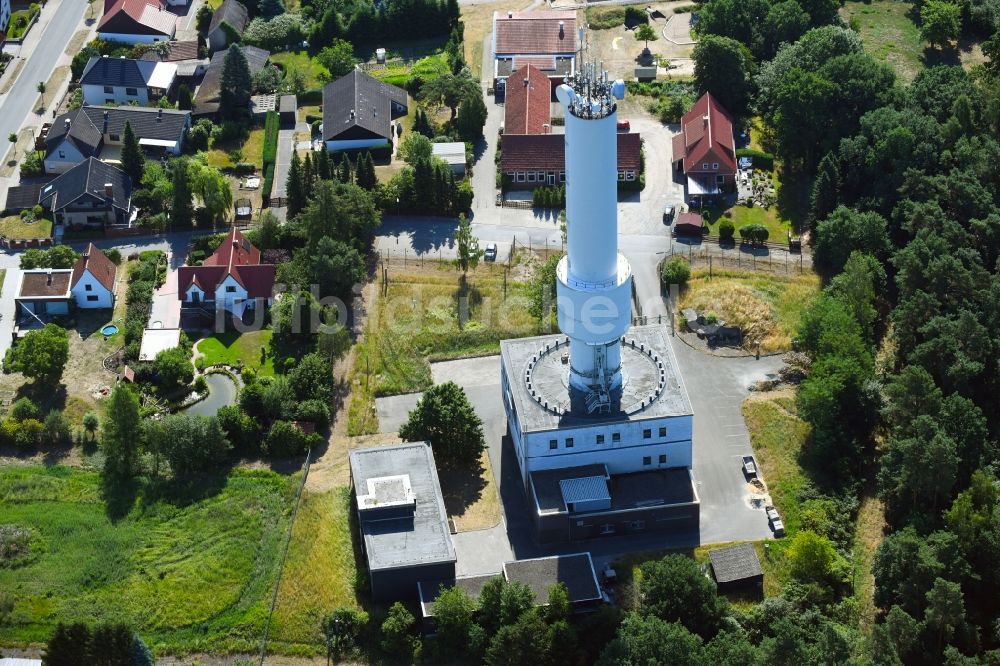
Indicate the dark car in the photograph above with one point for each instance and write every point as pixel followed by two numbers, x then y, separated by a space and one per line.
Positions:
pixel 490 254
pixel 668 213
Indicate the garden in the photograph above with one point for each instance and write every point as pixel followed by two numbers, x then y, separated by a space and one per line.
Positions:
pixel 22 20
pixel 26 226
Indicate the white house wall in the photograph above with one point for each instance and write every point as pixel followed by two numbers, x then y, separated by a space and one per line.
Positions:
pixel 94 95
pixel 618 461
pixel 54 164
pixel 228 299
pixel 105 299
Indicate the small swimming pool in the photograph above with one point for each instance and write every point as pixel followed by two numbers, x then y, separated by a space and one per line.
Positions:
pixel 109 330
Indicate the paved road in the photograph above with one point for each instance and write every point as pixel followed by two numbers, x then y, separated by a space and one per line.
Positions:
pixel 58 23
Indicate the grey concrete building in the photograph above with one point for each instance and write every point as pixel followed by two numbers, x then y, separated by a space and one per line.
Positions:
pixel 402 519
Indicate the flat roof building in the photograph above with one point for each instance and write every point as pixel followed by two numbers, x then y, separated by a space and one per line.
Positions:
pixel 402 519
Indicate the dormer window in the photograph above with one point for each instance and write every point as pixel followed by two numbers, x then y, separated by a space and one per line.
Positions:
pixel 704 166
pixel 715 166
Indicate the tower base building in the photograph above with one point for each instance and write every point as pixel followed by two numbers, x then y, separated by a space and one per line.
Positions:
pixel 598 415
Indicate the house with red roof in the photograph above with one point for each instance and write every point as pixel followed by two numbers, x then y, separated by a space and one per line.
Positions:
pixel 544 39
pixel 93 280
pixel 528 107
pixel 137 21
pixel 231 279
pixel 704 150
pixel 532 160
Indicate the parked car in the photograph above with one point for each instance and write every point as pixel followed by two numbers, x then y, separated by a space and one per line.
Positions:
pixel 490 254
pixel 749 466
pixel 668 213
pixel 778 528
pixel 624 126
pixel 772 513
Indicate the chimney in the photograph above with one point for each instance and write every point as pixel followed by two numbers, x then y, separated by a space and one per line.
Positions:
pixel 352 114
pixel 562 29
pixel 526 82
pixel 68 123
pixel 109 190
pixel 510 15
pixel 159 115
pixel 48 277
pixel 546 128
pixel 705 118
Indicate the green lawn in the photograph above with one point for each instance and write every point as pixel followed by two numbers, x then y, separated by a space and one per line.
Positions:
pixel 889 34
pixel 777 227
pixel 320 570
pixel 192 570
pixel 14 227
pixel 427 68
pixel 252 149
pixel 315 74
pixel 19 22
pixel 251 350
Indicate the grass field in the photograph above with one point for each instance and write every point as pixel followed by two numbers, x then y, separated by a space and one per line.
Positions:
pixel 418 321
pixel 232 348
pixel 299 61
pixel 319 572
pixel 427 68
pixel 889 34
pixel 252 149
pixel 767 307
pixel 777 228
pixel 14 227
pixel 192 570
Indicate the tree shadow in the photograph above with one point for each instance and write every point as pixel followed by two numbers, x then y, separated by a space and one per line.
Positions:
pixel 46 396
pixel 462 487
pixel 948 55
pixel 793 199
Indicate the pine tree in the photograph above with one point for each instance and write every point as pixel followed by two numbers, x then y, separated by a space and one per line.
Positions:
pixel 308 175
pixel 344 171
pixel 422 124
pixel 68 646
pixel 423 185
pixel 322 164
pixel 365 176
pixel 182 207
pixel 236 84
pixel 133 162
pixel 294 190
pixel 825 190
pixel 184 98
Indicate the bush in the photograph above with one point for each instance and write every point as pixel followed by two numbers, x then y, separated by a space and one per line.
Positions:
pixel 285 440
pixel 676 270
pixel 605 18
pixel 271 127
pixel 635 16
pixel 33 164
pixel 265 189
pixel 114 255
pixel 244 168
pixel 727 230
pixel 761 160
pixel 755 234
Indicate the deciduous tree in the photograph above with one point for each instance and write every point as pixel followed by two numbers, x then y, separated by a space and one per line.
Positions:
pixel 467 245
pixel 119 440
pixel 445 418
pixel 41 355
pixel 940 22
pixel 723 67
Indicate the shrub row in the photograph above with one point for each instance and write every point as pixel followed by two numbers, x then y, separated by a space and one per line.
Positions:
pixel 761 160
pixel 271 126
pixel 265 189
pixel 753 234
pixel 549 197
pixel 605 18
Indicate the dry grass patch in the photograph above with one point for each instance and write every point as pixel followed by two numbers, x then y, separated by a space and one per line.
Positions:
pixel 870 530
pixel 320 571
pixel 470 496
pixel 766 307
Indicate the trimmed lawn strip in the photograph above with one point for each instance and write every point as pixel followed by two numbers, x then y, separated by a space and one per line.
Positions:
pixel 250 349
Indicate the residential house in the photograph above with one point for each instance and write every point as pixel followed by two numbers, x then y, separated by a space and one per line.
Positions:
pixel 184 54
pixel 704 149
pixel 126 81
pixel 528 106
pixel 358 111
pixel 137 21
pixel 43 294
pixel 90 194
pixel 207 97
pixel 228 23
pixel 231 279
pixel 530 160
pixel 96 131
pixel 544 39
pixel 451 153
pixel 93 282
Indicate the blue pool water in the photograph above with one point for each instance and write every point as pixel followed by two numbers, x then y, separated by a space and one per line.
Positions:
pixel 110 329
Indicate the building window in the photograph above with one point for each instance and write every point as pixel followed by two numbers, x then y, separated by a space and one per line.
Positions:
pixel 630 175
pixel 663 431
pixel 569 442
pixel 647 433
pixel 553 444
pixel 638 524
pixel 704 166
pixel 230 289
pixel 621 176
pixel 608 528
pixel 62 154
pixel 114 137
pixel 108 90
pixel 600 439
pixel 715 166
pixel 531 176
pixel 720 179
pixel 132 92
pixel 520 177
pixel 647 460
pixel 616 437
pixel 562 176
pixel 92 298
pixel 663 458
pixel 88 287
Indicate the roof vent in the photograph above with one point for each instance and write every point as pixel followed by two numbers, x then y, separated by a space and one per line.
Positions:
pixel 109 190
pixel 510 15
pixel 68 122
pixel 352 114
pixel 159 115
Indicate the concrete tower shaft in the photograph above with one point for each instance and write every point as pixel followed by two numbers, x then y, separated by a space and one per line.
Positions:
pixel 593 280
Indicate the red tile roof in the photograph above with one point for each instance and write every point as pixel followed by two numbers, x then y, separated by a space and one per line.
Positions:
pixel 706 138
pixel 534 32
pixel 547 152
pixel 236 257
pixel 137 17
pixel 527 106
pixel 689 220
pixel 95 261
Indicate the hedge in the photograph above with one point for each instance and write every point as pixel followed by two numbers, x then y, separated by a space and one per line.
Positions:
pixel 271 127
pixel 309 97
pixel 761 160
pixel 265 189
pixel 244 168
